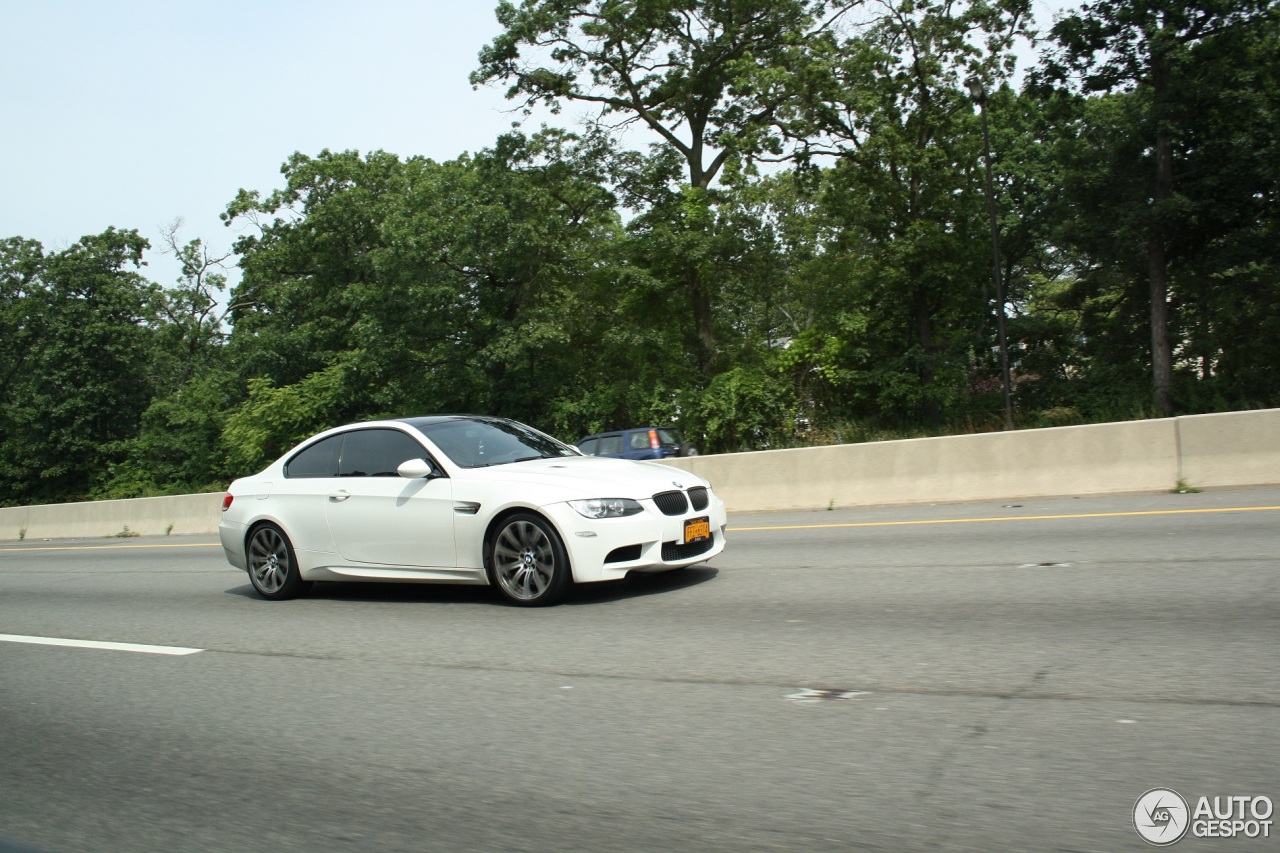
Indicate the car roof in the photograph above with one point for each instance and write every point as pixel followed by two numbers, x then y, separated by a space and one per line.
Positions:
pixel 627 429
pixel 427 420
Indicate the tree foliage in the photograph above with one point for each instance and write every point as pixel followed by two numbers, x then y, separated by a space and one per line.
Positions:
pixel 708 77
pixel 1159 54
pixel 801 256
pixel 79 377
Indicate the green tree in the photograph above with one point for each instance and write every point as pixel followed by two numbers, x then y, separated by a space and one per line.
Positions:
pixel 309 245
pixel 194 308
pixel 1225 269
pixel 181 445
pixel 1154 49
pixel 500 256
pixel 21 327
pixel 706 76
pixel 83 321
pixel 376 286
pixel 906 195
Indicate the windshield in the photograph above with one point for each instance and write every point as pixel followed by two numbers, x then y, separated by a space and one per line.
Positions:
pixel 480 443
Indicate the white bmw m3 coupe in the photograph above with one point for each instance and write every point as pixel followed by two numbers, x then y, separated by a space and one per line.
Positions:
pixel 462 499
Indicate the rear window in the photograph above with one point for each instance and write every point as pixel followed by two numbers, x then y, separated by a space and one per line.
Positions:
pixel 318 460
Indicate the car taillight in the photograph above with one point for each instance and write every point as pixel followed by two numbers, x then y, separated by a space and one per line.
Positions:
pixel 226 502
pixel 653 439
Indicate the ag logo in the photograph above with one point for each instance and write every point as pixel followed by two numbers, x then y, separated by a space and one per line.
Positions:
pixel 1161 816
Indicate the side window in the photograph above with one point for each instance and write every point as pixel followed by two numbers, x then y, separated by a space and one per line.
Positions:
pixel 318 460
pixel 590 447
pixel 639 441
pixel 377 453
pixel 610 444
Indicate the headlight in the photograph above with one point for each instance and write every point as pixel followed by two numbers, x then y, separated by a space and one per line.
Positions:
pixel 606 507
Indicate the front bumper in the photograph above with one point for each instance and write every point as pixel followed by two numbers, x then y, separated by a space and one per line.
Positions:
pixel 611 548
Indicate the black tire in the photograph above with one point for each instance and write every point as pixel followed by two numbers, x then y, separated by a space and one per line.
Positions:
pixel 527 562
pixel 273 567
pixel 688 450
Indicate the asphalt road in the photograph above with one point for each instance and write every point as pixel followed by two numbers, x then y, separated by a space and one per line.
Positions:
pixel 952 677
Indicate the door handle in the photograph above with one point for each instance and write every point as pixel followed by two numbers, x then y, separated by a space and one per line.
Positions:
pixel 338 497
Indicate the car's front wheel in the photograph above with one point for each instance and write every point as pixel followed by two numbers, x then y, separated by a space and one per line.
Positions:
pixel 273 567
pixel 527 561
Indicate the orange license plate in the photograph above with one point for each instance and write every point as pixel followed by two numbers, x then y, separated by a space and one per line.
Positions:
pixel 697 529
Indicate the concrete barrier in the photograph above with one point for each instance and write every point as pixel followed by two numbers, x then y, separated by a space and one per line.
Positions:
pixel 1082 460
pixel 177 515
pixel 1232 449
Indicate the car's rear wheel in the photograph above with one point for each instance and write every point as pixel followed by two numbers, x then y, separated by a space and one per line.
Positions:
pixel 527 561
pixel 273 567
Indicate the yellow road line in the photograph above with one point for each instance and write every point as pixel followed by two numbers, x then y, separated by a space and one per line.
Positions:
pixel 1010 518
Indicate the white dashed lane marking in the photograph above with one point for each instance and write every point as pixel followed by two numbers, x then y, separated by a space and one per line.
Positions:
pixel 95 644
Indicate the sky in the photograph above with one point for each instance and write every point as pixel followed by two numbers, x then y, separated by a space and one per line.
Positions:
pixel 135 113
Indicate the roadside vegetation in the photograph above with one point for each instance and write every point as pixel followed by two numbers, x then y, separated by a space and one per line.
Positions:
pixel 774 234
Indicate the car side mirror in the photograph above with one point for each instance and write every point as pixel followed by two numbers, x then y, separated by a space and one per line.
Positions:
pixel 416 469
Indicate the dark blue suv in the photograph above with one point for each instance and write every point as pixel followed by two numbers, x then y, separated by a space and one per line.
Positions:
pixel 638 443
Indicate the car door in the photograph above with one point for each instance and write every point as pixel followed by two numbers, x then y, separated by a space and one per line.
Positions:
pixel 377 516
pixel 299 501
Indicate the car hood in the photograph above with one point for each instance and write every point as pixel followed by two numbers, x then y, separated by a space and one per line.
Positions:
pixel 591 476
